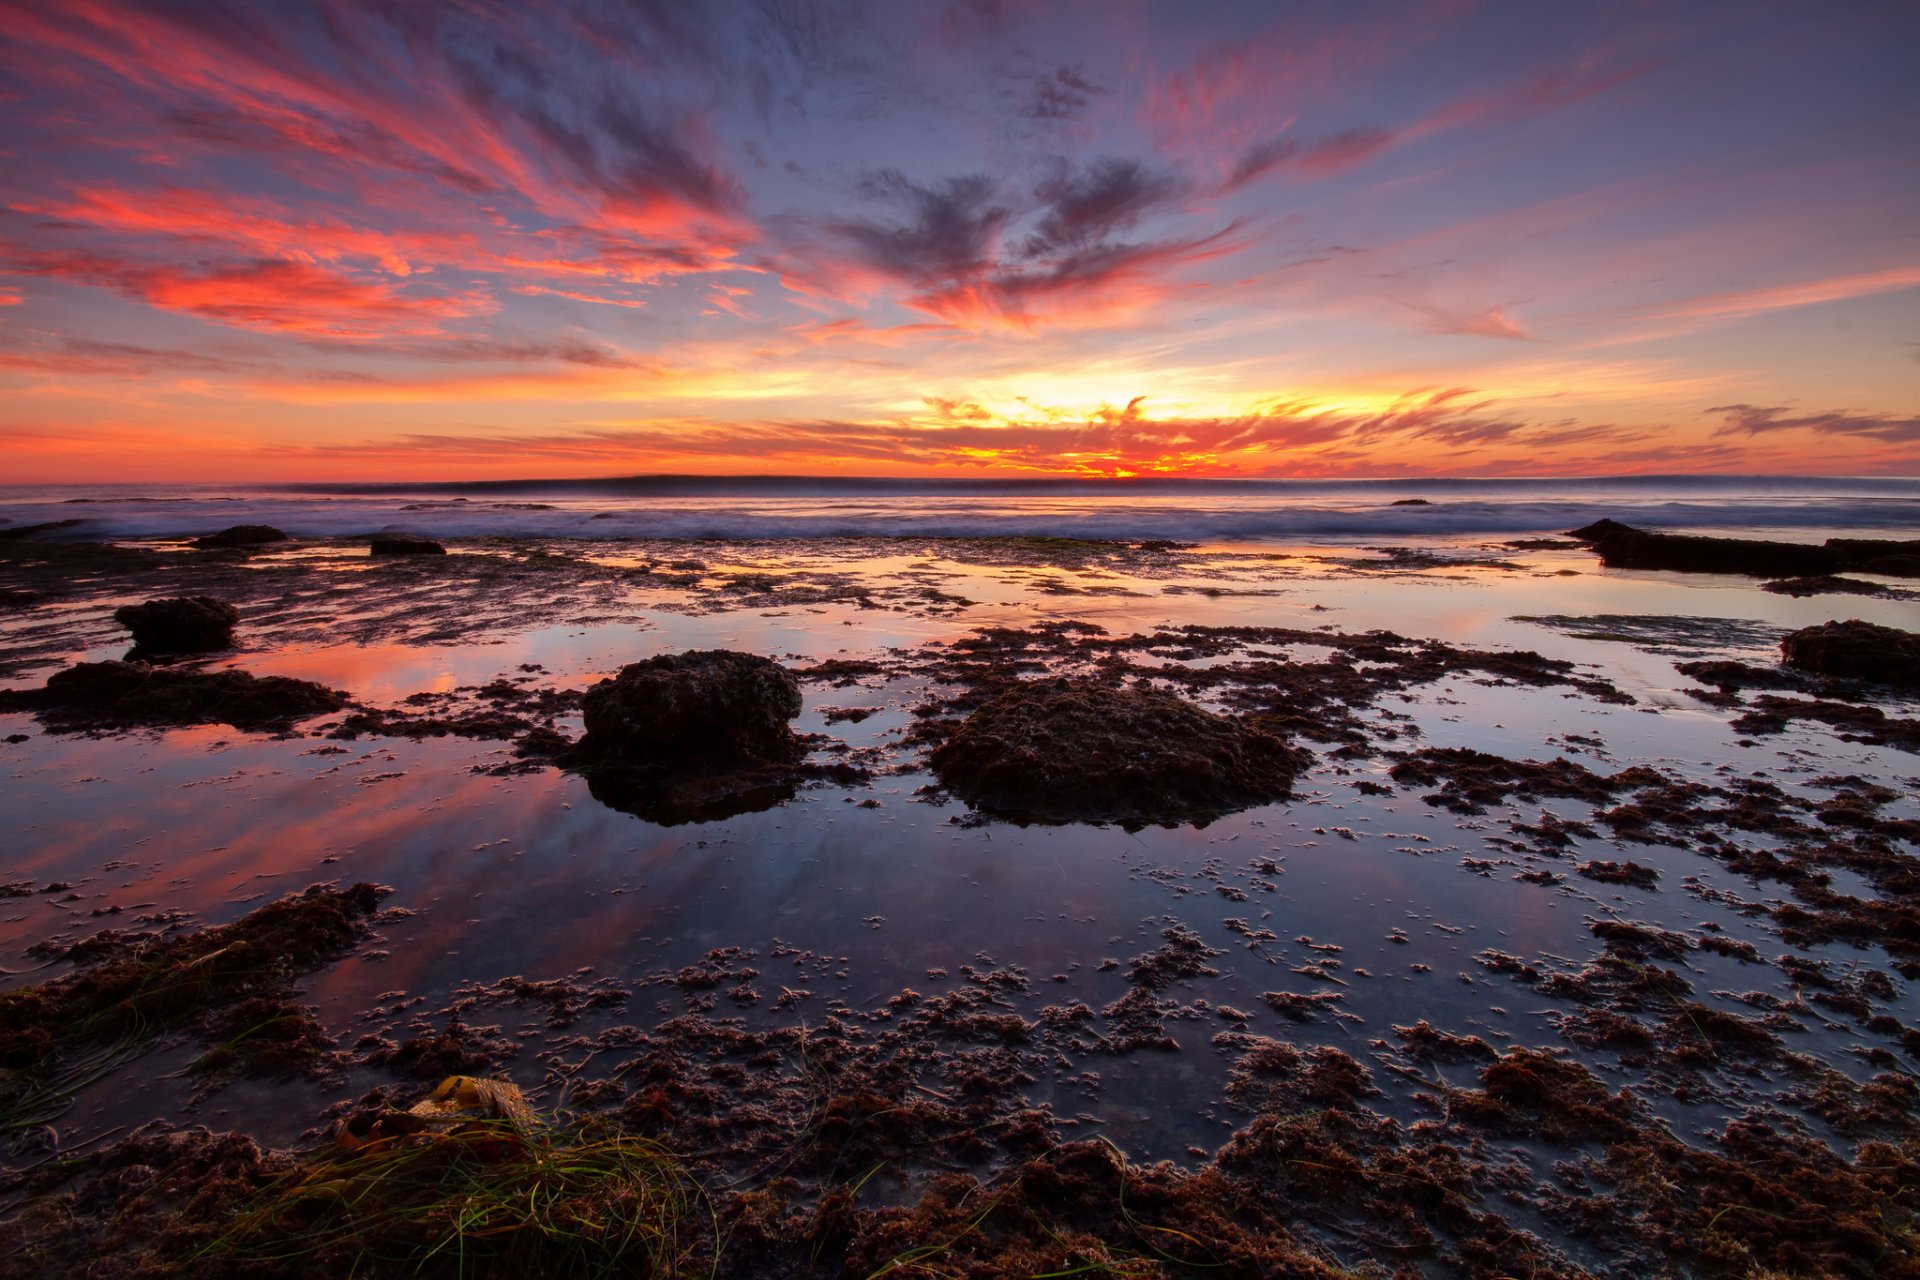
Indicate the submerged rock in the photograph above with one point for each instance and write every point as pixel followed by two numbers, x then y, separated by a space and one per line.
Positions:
pixel 107 694
pixel 242 535
pixel 180 624
pixel 406 544
pixel 1856 650
pixel 702 709
pixel 1074 750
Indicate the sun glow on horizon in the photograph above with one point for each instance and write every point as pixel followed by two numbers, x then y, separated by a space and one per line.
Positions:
pixel 1502 239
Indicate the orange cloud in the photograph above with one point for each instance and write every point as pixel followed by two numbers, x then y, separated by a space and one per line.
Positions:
pixel 279 296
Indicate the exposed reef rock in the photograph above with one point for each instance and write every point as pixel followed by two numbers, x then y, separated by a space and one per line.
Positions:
pixel 1622 546
pixel 705 708
pixel 180 624
pixel 100 695
pixel 405 544
pixel 1856 650
pixel 1828 585
pixel 242 535
pixel 695 737
pixel 1075 750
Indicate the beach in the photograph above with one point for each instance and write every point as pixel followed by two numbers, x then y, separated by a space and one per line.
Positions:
pixel 1539 913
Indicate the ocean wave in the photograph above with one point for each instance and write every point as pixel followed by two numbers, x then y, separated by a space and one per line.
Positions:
pixel 1346 514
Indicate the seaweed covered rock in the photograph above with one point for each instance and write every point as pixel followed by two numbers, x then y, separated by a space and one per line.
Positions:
pixel 1828 585
pixel 405 544
pixel 1856 650
pixel 128 985
pixel 180 624
pixel 242 535
pixel 1893 557
pixel 1622 546
pixel 702 709
pixel 107 694
pixel 1072 750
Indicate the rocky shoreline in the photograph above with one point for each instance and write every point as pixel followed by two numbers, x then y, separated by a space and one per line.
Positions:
pixel 755 1114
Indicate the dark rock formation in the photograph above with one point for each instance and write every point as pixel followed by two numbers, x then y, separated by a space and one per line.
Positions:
pixel 703 709
pixel 1063 751
pixel 111 694
pixel 1856 650
pixel 1410 502
pixel 1828 585
pixel 242 535
pixel 20 598
pixel 180 624
pixel 1622 546
pixel 1894 566
pixel 405 544
pixel 1878 555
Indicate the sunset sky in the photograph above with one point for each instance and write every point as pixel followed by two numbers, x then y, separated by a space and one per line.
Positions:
pixel 367 239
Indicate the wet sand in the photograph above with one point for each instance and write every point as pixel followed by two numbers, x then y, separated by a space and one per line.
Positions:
pixel 1551 946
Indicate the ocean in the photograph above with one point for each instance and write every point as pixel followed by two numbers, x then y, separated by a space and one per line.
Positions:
pixel 786 507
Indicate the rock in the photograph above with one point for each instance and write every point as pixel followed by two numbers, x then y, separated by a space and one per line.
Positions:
pixel 242 535
pixel 405 544
pixel 1895 559
pixel 1829 586
pixel 120 693
pixel 180 624
pixel 1856 650
pixel 1074 750
pixel 20 598
pixel 1622 546
pixel 1893 566
pixel 1410 502
pixel 703 709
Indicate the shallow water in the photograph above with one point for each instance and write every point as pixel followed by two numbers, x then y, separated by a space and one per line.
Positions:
pixel 528 874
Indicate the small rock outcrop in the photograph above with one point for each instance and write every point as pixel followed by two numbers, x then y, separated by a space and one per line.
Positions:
pixel 1855 650
pixel 180 624
pixel 242 535
pixel 405 544
pixel 109 694
pixel 703 709
pixel 1071 750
